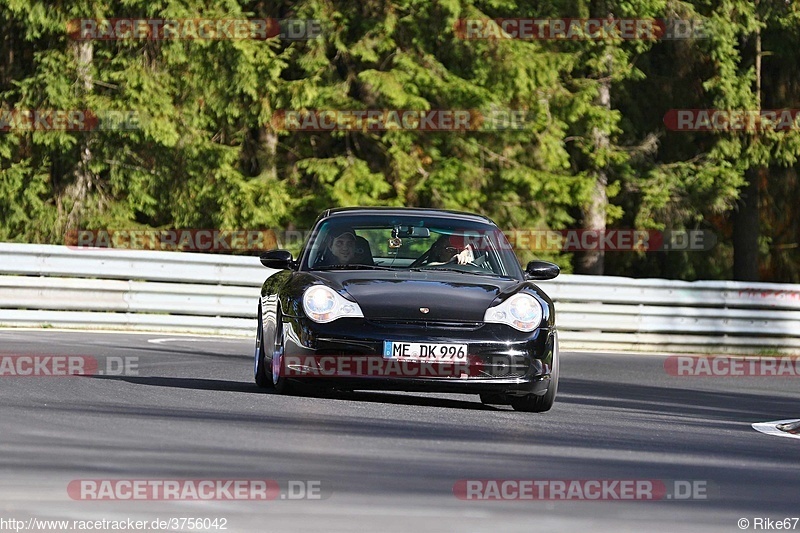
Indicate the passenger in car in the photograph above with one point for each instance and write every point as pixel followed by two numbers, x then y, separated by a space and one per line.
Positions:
pixel 342 247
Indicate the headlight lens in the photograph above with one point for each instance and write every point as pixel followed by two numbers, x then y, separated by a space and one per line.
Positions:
pixel 323 304
pixel 521 311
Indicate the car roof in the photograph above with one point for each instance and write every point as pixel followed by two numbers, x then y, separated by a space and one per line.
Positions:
pixel 404 211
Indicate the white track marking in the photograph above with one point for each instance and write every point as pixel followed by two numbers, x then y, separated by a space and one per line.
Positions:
pixel 771 428
pixel 192 339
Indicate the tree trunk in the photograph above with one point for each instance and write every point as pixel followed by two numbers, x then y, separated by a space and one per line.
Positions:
pixel 746 230
pixel 745 218
pixel 594 214
pixel 84 53
pixel 594 219
pixel 267 153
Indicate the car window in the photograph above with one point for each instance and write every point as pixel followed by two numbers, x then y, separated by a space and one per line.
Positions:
pixel 403 243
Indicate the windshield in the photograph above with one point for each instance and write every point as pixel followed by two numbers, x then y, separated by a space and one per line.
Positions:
pixel 380 242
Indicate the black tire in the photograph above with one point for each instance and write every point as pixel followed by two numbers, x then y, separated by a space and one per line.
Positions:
pixel 262 379
pixel 539 404
pixel 279 381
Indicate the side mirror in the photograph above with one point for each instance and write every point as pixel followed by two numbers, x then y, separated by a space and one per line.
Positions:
pixel 278 259
pixel 541 270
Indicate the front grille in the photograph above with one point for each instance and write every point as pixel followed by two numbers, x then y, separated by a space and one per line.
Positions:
pixel 426 325
pixel 500 371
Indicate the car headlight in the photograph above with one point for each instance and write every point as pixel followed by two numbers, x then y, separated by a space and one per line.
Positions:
pixel 521 311
pixel 323 304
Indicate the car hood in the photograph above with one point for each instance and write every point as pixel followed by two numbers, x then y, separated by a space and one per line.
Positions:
pixel 448 296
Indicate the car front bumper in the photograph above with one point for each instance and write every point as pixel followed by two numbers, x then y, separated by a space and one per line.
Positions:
pixel 348 354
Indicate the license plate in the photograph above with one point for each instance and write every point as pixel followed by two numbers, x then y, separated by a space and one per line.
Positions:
pixel 424 351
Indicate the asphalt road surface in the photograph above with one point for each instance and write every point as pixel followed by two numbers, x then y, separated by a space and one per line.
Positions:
pixel 384 461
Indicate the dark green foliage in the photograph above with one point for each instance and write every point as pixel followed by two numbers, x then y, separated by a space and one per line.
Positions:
pixel 206 154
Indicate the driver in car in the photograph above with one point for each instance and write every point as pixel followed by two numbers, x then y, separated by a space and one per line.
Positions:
pixel 442 252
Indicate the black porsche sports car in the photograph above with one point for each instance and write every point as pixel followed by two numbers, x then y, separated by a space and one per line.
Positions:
pixel 408 299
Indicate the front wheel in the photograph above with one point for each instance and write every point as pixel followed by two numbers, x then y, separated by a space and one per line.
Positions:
pixel 539 404
pixel 279 381
pixel 263 380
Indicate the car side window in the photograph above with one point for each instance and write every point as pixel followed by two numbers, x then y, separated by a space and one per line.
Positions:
pixel 317 250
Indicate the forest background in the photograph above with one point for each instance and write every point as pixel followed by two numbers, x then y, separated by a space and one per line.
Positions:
pixel 595 151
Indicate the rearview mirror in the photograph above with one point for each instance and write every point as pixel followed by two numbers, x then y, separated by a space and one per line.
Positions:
pixel 410 232
pixel 278 259
pixel 541 270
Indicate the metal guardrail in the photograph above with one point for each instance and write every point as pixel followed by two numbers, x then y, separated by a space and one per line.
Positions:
pixel 57 286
